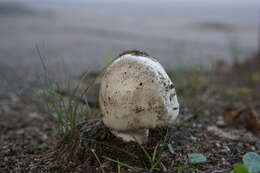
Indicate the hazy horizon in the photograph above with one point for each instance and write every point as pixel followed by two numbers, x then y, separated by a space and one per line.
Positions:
pixel 181 33
pixel 239 12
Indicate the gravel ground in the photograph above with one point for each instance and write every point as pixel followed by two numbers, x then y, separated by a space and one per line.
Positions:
pixel 27 135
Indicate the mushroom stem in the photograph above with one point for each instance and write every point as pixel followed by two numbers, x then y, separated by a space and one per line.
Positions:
pixel 140 135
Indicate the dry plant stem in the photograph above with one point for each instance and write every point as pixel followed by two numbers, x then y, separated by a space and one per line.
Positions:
pixel 93 151
pixel 164 167
pixel 118 168
pixel 123 164
pixel 62 149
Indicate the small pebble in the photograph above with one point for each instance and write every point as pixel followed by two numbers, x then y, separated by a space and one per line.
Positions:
pixel 220 123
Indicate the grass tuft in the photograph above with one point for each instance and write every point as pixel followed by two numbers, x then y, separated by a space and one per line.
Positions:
pixel 153 157
pixel 67 106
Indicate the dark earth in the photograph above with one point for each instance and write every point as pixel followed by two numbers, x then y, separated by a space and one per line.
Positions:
pixel 219 118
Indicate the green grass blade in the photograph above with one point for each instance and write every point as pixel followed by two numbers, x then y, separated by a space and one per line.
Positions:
pixel 122 164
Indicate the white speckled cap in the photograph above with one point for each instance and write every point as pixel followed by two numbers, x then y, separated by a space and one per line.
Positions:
pixel 136 94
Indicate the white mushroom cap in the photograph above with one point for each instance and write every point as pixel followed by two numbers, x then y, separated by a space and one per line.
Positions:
pixel 136 94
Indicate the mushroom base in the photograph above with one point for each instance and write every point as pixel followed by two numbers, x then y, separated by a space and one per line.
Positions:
pixel 140 136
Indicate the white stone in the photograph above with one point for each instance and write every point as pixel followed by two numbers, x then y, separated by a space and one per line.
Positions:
pixel 136 94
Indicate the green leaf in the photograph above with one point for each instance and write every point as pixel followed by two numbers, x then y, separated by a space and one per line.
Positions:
pixel 195 158
pixel 255 77
pixel 240 168
pixel 108 59
pixel 170 148
pixel 252 162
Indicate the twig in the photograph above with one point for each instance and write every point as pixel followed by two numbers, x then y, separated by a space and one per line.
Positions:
pixel 93 151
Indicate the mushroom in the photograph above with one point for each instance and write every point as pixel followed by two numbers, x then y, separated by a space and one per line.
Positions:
pixel 136 94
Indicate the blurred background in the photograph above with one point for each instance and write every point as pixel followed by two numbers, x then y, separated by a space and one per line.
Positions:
pixel 80 33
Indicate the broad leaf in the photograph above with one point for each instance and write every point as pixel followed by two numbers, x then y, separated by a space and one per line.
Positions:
pixel 196 158
pixel 252 162
pixel 240 168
